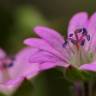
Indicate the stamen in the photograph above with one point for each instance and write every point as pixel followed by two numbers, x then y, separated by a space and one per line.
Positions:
pixel 79 38
pixel 65 43
pixel 84 31
pixel 78 31
pixel 73 46
pixel 83 42
pixel 70 35
pixel 7 65
pixel 73 41
pixel 88 37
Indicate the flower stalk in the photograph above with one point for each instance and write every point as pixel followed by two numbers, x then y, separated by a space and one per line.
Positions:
pixel 83 88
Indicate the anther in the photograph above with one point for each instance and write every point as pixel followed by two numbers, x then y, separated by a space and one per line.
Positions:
pixel 78 40
pixel 73 41
pixel 78 31
pixel 82 42
pixel 88 37
pixel 7 65
pixel 10 65
pixel 70 35
pixel 65 43
pixel 84 31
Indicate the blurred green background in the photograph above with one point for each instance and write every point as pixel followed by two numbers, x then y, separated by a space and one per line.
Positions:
pixel 18 17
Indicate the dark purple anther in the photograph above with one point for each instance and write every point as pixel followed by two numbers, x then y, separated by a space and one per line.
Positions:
pixel 73 41
pixel 83 42
pixel 79 30
pixel 84 31
pixel 8 65
pixel 70 35
pixel 65 43
pixel 88 37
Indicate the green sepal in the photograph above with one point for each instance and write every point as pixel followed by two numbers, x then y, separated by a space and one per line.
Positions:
pixel 74 74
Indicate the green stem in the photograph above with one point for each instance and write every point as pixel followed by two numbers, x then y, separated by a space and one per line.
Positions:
pixel 84 88
pixel 79 89
pixel 88 88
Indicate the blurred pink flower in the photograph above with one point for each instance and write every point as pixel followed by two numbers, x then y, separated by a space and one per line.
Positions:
pixel 13 72
pixel 78 50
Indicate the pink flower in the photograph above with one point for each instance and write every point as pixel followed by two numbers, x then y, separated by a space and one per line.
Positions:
pixel 13 72
pixel 78 50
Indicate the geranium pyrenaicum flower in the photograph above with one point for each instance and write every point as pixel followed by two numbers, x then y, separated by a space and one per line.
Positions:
pixel 78 50
pixel 13 72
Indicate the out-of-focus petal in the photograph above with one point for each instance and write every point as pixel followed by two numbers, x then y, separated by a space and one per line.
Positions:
pixel 9 87
pixel 22 65
pixel 80 20
pixel 2 54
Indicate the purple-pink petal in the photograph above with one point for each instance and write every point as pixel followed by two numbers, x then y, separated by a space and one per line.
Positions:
pixel 47 60
pixel 43 45
pixel 47 65
pixel 78 21
pixel 52 37
pixel 89 67
pixel 49 34
pixel 38 43
pixel 92 32
pixel 43 56
pixel 9 87
pixel 22 66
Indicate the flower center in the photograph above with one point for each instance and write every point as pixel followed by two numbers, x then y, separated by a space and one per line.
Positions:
pixel 79 38
pixel 76 42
